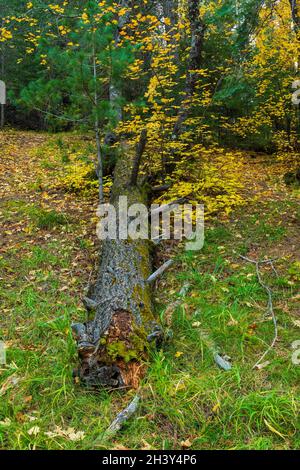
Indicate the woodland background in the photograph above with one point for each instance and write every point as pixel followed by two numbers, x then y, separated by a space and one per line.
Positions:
pixel 210 82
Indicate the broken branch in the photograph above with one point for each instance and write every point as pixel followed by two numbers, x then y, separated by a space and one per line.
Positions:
pixel 159 189
pixel 138 157
pixel 122 418
pixel 160 271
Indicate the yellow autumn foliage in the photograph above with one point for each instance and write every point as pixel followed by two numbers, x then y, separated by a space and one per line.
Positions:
pixel 79 177
pixel 212 177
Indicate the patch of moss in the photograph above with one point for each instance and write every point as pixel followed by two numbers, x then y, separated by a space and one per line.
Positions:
pixel 142 295
pixel 121 350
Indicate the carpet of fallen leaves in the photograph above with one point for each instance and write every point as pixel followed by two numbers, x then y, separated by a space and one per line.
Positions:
pixel 263 181
pixel 24 179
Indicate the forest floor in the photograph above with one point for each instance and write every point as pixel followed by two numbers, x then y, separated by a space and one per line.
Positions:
pixel 211 300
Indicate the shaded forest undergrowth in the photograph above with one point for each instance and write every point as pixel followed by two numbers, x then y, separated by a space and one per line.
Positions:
pixel 210 300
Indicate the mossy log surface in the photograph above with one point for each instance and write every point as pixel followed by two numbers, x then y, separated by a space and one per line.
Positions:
pixel 113 346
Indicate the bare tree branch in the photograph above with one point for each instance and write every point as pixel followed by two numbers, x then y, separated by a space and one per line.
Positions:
pixel 270 309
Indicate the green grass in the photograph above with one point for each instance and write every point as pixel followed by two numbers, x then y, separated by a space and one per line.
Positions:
pixel 186 399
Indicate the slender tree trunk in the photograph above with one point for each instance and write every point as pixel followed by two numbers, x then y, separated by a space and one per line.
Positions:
pixel 295 14
pixel 115 95
pixel 100 163
pixel 197 37
pixel 296 25
pixel 170 10
pixel 2 108
pixel 97 133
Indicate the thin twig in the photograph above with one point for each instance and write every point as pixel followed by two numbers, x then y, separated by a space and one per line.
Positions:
pixel 88 287
pixel 159 189
pixel 59 116
pixel 121 419
pixel 221 362
pixel 274 269
pixel 160 271
pixel 270 309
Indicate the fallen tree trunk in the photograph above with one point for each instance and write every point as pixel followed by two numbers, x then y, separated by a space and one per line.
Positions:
pixel 113 346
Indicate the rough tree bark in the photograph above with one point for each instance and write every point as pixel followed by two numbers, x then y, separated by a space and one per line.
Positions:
pixel 113 346
pixel 197 37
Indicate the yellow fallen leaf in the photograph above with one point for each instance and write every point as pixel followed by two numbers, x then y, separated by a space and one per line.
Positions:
pixel 235 266
pixel 178 354
pixel 216 408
